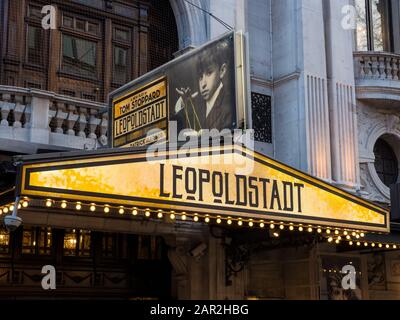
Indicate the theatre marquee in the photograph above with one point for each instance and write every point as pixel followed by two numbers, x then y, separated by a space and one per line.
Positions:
pixel 228 181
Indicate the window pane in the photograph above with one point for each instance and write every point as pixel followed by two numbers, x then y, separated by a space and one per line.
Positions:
pixel 361 32
pixel 34 45
pixel 68 22
pixel 120 74
pixel 80 25
pixel 92 28
pixel 120 57
pixel 84 243
pixel 28 241
pixel 86 52
pixel 380 24
pixel 4 241
pixel 108 245
pixel 68 47
pixel 35 12
pixel 70 243
pixel 79 56
pixel 386 163
pixel 45 241
pixel 121 35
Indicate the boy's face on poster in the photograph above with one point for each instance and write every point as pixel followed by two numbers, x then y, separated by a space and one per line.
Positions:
pixel 210 80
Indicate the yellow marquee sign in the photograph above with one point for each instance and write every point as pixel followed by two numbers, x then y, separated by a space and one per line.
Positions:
pixel 222 181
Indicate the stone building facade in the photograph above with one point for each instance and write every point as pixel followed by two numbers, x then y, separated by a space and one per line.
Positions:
pixel 325 94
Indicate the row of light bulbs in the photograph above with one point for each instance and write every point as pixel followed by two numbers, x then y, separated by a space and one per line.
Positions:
pixel 364 244
pixel 10 207
pixel 195 217
pixel 338 271
pixel 333 235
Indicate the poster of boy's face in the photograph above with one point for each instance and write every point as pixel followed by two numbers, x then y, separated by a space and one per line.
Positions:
pixel 196 90
pixel 203 89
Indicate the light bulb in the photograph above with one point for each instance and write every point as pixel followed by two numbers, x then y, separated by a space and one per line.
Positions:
pixel 106 209
pixel 172 216
pixel 240 223
pixel 5 210
pixel 291 228
pixel 48 203
pixel 183 217
pixel 25 203
pixel 281 227
pixel 92 207
pixel 64 204
pixel 330 239
pixel 207 219
pixel 328 231
pixel 121 210
pixel 251 223
pixel 219 220
pixel 262 225
pixel 147 213
pixel 272 226
pixel 309 229
pixel 319 230
pixel 229 221
pixel 196 218
pixel 159 214
pixel 78 206
pixel 134 212
pixel 301 229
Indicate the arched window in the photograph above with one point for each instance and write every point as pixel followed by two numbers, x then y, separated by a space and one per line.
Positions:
pixel 386 163
pixel 374 29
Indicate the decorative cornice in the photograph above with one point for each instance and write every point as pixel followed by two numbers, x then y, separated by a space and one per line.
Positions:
pixel 286 78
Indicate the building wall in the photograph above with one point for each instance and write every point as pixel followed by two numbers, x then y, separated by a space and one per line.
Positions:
pixel 140 21
pixel 329 106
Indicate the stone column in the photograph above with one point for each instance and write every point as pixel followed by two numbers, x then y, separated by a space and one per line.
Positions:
pixel 341 95
pixel 39 129
pixel 301 112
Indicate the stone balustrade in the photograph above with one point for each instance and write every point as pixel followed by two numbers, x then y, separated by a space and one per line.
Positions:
pixel 377 65
pixel 377 76
pixel 30 117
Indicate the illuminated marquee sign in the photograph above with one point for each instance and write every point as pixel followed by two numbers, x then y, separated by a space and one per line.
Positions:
pixel 203 181
pixel 140 111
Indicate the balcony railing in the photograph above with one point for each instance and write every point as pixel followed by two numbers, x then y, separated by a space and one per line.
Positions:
pixel 30 116
pixel 377 75
pixel 377 65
